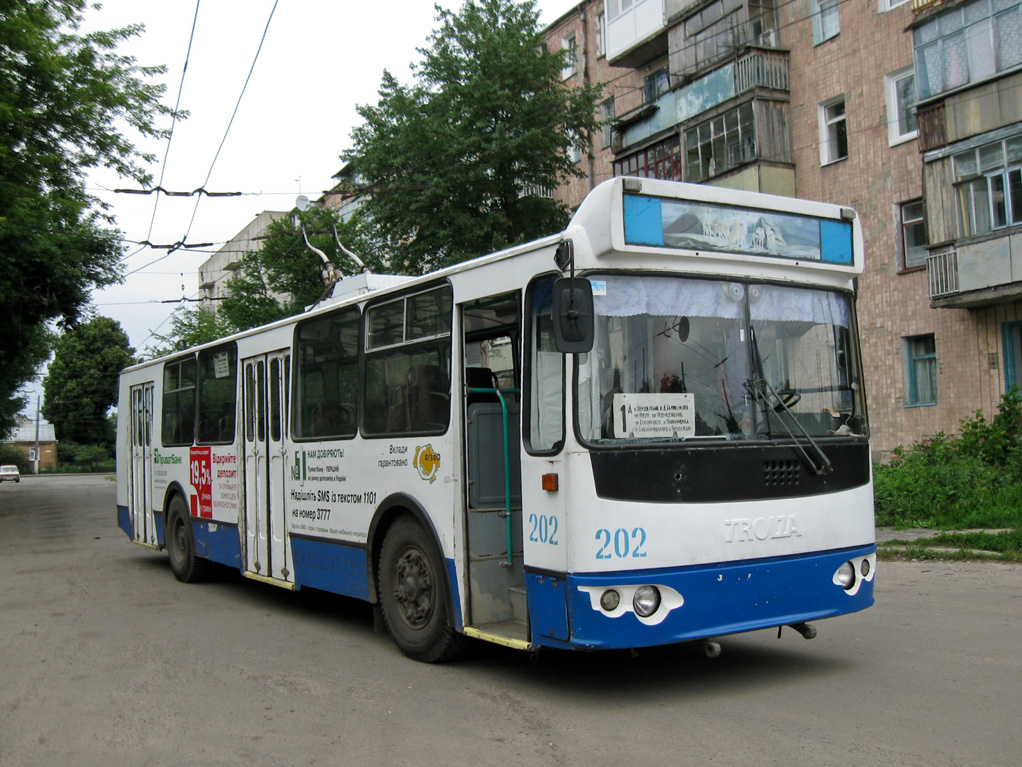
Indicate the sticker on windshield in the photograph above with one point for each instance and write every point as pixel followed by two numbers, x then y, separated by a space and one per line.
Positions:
pixel 654 416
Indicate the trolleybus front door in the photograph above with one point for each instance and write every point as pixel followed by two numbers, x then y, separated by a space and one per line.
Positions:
pixel 266 400
pixel 141 479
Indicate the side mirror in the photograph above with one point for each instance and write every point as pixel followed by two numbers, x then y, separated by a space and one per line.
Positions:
pixel 573 315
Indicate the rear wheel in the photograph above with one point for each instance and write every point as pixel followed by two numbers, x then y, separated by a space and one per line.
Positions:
pixel 187 567
pixel 414 596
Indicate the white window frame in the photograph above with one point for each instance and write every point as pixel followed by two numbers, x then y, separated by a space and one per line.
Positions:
pixel 828 131
pixel 890 5
pixel 894 126
pixel 826 20
pixel 569 43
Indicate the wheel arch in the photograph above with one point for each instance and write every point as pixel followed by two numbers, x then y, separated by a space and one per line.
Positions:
pixel 174 488
pixel 392 507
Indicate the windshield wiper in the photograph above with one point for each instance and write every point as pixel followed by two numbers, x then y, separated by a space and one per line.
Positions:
pixel 761 389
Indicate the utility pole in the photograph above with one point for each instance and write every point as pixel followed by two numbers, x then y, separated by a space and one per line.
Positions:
pixel 36 466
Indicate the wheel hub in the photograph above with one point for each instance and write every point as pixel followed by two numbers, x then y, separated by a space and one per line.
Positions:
pixel 414 591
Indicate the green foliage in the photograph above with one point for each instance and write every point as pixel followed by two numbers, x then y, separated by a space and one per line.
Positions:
pixel 10 454
pixel 973 480
pixel 81 385
pixel 65 97
pixel 447 161
pixel 190 326
pixel 76 457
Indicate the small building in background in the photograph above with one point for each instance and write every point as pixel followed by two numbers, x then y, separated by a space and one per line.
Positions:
pixel 23 437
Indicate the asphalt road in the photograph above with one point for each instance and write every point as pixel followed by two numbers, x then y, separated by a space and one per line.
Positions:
pixel 105 659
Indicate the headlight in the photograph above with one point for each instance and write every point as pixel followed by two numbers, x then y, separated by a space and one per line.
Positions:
pixel 845 576
pixel 646 600
pixel 864 567
pixel 609 600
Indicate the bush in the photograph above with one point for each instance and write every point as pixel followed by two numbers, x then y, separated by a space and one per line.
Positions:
pixel 973 480
pixel 10 454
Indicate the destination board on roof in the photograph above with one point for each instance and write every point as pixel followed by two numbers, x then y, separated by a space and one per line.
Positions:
pixel 702 226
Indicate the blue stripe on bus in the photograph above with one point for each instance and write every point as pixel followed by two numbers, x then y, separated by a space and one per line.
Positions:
pixel 330 566
pixel 217 542
pixel 718 600
pixel 124 519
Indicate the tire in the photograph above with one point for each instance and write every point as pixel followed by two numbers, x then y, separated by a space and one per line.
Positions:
pixel 414 597
pixel 187 567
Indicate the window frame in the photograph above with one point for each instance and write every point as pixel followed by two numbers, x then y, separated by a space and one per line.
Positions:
pixel 305 432
pixel 890 5
pixel 438 339
pixel 974 187
pixel 200 435
pixel 828 140
pixel 177 400
pixel 826 20
pixel 569 67
pixel 725 140
pixel 895 135
pixel 912 358
pixel 903 225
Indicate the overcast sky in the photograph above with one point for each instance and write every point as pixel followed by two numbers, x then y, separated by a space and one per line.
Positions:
pixel 319 59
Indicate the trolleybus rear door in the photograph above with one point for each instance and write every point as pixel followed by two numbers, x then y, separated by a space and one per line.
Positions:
pixel 141 478
pixel 266 401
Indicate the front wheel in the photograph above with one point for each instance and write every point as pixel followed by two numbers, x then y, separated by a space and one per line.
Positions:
pixel 187 567
pixel 414 595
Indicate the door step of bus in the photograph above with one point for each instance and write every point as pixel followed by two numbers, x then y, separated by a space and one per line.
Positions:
pixel 513 634
pixel 519 606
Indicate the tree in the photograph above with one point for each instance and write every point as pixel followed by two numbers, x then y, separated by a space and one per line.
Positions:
pixel 191 326
pixel 81 386
pixel 451 163
pixel 63 95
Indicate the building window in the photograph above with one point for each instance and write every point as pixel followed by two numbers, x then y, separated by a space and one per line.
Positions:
pixel 661 160
pixel 719 144
pixel 890 5
pixel 988 187
pixel 967 44
pixel 921 353
pixel 826 22
pixel 607 115
pixel 616 7
pixel 601 35
pixel 569 50
pixel 833 131
pixel 913 241
pixel 901 113
pixel 656 85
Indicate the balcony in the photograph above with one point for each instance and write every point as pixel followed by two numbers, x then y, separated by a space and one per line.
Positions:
pixel 762 68
pixel 979 273
pixel 942 271
pixel 637 35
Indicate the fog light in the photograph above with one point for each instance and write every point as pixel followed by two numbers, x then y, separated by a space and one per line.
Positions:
pixel 646 601
pixel 864 568
pixel 845 576
pixel 609 600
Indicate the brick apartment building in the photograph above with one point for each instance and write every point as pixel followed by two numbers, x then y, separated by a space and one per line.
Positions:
pixel 906 110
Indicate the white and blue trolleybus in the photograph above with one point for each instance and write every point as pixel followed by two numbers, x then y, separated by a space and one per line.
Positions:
pixel 647 429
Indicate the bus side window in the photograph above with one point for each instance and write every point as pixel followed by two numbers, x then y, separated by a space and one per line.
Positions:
pixel 179 402
pixel 218 394
pixel 327 376
pixel 407 385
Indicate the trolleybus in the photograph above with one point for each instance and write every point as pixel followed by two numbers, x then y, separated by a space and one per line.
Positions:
pixel 647 429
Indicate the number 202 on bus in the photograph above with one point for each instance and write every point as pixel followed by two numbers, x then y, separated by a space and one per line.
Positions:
pixel 621 544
